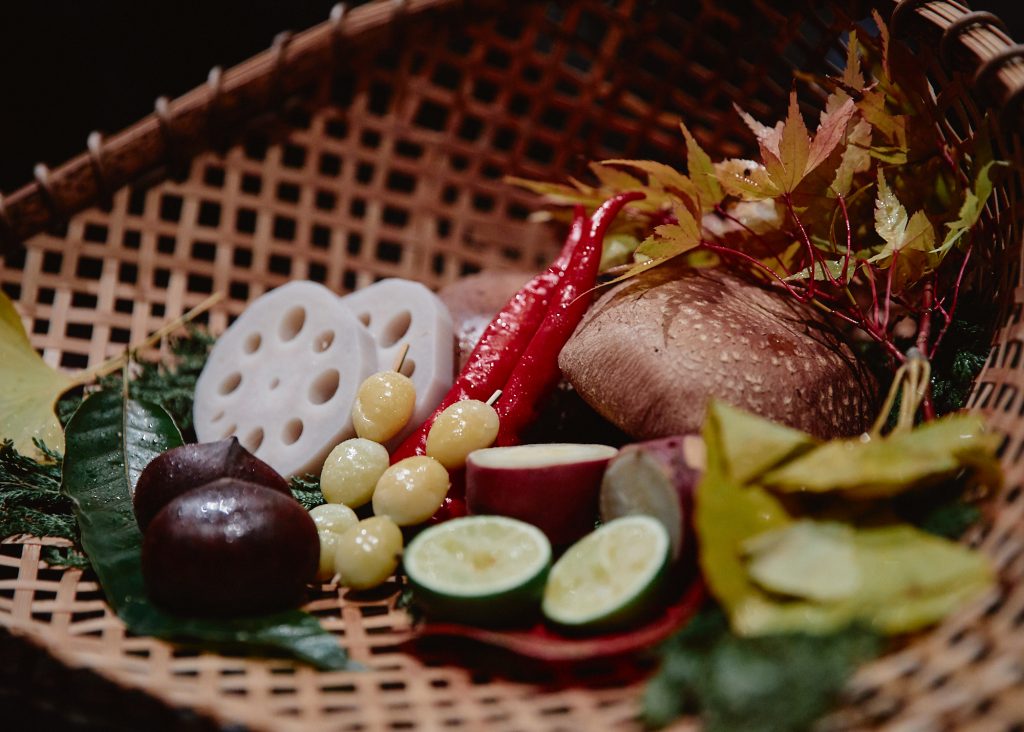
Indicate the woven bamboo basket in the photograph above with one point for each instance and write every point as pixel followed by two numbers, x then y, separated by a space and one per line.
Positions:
pixel 374 145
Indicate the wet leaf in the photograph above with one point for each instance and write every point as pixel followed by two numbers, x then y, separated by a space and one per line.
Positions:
pixel 614 179
pixel 109 441
pixel 745 179
pixel 29 388
pixel 908 242
pixel 561 194
pixel 899 462
pixel 618 249
pixel 775 570
pixel 670 240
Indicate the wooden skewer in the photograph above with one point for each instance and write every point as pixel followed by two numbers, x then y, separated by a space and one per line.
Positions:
pixel 494 398
pixel 400 358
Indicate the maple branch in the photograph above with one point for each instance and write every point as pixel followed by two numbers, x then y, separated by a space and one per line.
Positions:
pixel 948 315
pixel 849 236
pixel 811 288
pixel 884 323
pixel 760 265
pixel 924 325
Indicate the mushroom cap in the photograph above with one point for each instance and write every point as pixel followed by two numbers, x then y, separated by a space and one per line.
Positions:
pixel 653 350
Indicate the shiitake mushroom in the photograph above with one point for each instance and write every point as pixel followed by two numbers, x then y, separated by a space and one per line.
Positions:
pixel 230 547
pixel 181 469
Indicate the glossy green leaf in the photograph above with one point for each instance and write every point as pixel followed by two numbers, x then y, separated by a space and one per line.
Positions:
pixel 885 466
pixel 109 441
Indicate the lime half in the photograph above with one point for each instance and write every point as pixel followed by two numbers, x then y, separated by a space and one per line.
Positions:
pixel 483 570
pixel 609 578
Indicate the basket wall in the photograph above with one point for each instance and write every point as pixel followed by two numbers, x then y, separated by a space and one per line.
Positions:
pixel 393 166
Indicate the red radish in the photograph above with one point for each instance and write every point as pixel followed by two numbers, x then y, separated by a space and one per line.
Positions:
pixel 554 487
pixel 655 478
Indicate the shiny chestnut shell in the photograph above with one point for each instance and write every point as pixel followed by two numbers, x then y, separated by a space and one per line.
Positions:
pixel 181 469
pixel 230 548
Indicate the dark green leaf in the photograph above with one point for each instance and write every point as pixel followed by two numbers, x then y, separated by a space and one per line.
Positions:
pixel 109 441
pixel 306 489
pixel 775 683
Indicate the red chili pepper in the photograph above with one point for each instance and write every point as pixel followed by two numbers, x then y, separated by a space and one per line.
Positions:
pixel 537 371
pixel 503 341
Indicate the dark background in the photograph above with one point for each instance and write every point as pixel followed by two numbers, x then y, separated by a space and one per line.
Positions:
pixel 72 66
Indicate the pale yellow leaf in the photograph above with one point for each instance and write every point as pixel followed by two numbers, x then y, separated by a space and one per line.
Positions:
pixel 28 388
pixel 702 171
pixel 745 179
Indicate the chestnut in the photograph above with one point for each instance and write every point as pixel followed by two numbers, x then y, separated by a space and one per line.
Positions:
pixel 183 468
pixel 230 548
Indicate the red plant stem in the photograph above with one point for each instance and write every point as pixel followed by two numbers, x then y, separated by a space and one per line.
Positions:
pixel 811 286
pixel 849 238
pixel 924 328
pixel 757 263
pixel 884 325
pixel 948 316
pixel 924 325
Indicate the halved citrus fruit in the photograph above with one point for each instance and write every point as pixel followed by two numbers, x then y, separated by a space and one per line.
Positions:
pixel 483 570
pixel 609 578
